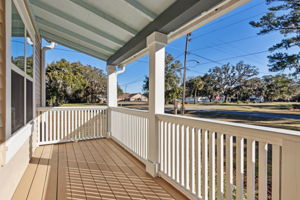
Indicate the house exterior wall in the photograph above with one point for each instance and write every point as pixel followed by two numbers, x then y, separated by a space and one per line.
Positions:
pixel 11 173
pixel 38 94
pixel 37 87
pixel 2 71
pixel 138 97
pixel 15 149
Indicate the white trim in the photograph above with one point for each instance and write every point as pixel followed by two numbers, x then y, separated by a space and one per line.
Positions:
pixel 72 108
pixel 20 72
pixel 22 10
pixel 8 68
pixel 15 142
pixel 257 133
pixel 34 79
pixel 28 29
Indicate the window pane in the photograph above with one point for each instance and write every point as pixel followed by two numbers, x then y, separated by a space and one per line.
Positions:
pixel 17 39
pixel 29 55
pixel 29 101
pixel 17 101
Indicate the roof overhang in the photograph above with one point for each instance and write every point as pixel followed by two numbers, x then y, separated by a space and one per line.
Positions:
pixel 116 31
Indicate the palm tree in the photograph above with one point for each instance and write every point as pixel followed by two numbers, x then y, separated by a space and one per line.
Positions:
pixel 197 84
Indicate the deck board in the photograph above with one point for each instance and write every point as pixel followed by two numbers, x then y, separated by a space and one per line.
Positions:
pixel 38 183
pixel 90 170
pixel 50 189
pixel 27 179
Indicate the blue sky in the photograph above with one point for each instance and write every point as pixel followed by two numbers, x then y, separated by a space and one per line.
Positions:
pixel 229 38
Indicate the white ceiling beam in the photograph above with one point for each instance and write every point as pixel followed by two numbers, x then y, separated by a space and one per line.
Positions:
pixel 142 9
pixel 71 44
pixel 106 16
pixel 77 22
pixel 47 23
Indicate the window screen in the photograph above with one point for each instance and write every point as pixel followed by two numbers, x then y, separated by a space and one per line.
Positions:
pixel 29 101
pixel 17 101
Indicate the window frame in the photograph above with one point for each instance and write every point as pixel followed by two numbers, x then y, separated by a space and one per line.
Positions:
pixel 28 31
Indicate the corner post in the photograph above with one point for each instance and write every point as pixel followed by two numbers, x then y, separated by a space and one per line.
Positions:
pixel 111 95
pixel 290 174
pixel 156 46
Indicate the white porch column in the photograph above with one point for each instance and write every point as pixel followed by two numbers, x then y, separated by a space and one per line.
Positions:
pixel 156 46
pixel 112 86
pixel 111 95
pixel 43 72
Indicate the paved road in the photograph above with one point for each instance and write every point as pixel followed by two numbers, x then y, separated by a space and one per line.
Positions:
pixel 254 114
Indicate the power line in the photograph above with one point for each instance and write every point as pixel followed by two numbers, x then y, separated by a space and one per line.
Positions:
pixel 226 26
pixel 227 42
pixel 229 58
pixel 241 11
pixel 214 61
pixel 242 50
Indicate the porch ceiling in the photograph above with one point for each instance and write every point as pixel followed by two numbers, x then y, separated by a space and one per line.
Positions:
pixel 112 30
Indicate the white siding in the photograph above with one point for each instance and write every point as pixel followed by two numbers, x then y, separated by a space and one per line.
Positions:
pixel 2 72
pixel 38 86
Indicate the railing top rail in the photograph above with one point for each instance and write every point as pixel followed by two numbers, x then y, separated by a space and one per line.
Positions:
pixel 142 113
pixel 260 133
pixel 72 108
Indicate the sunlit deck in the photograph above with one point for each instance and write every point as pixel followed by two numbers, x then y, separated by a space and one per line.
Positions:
pixel 92 169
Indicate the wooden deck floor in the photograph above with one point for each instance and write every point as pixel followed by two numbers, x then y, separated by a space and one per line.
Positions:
pixel 93 169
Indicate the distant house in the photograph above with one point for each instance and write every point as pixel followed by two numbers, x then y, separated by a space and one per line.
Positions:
pixel 123 97
pixel 132 97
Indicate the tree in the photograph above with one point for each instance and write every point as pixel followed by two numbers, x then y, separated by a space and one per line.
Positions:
pixel 172 79
pixel 209 88
pixel 254 86
pixel 64 83
pixel 279 87
pixel 96 83
pixel 226 78
pixel 73 83
pixel 193 86
pixel 119 90
pixel 146 86
pixel 285 19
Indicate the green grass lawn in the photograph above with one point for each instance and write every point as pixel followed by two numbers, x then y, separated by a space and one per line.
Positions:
pixel 277 107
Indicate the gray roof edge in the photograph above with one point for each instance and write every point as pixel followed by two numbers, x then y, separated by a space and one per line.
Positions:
pixel 174 17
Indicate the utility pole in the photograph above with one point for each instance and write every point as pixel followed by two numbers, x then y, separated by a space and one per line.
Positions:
pixel 187 40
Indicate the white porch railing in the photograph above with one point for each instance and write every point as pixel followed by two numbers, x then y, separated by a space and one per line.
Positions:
pixel 63 124
pixel 130 129
pixel 205 159
pixel 210 159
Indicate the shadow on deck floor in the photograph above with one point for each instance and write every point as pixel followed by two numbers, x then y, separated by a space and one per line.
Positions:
pixel 92 169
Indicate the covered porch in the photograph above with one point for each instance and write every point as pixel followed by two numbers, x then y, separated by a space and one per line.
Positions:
pixel 91 169
pixel 117 153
